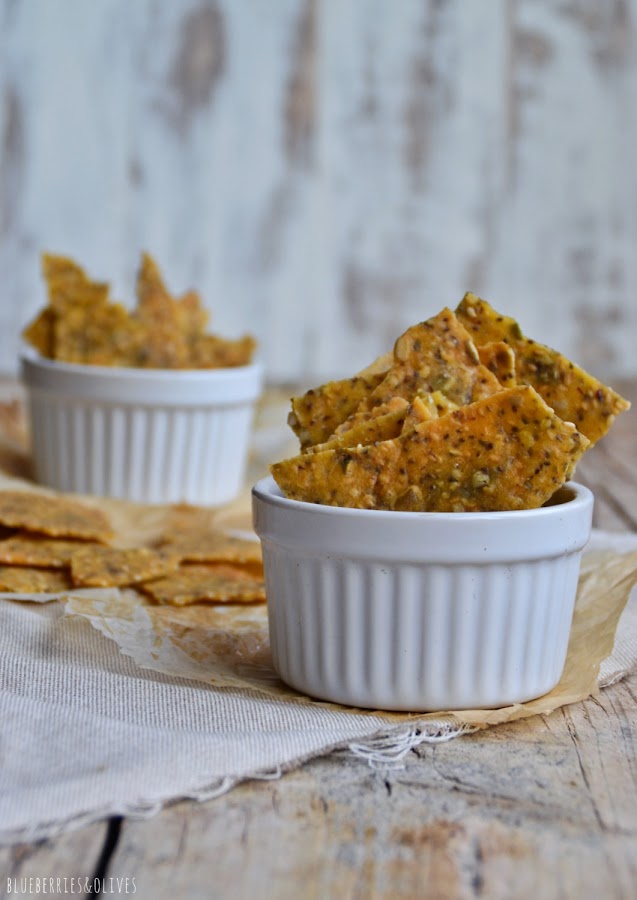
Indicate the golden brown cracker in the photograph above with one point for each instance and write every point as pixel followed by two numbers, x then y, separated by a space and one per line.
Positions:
pixel 213 547
pixel 215 584
pixel 436 355
pixel 24 549
pixel 40 332
pixel 208 351
pixel 56 516
pixel 316 415
pixel 370 429
pixel 81 326
pixel 192 315
pixel 105 336
pixel 68 285
pixel 100 566
pixel 506 451
pixel 420 410
pixel 575 395
pixel 25 580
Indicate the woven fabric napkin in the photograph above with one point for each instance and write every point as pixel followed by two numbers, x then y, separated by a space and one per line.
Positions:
pixel 86 732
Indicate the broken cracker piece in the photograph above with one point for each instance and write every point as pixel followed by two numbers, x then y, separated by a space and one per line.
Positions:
pixel 436 355
pixel 316 415
pixel 98 566
pixel 25 580
pixel 214 547
pixel 24 549
pixel 214 584
pixel 506 451
pixel 53 515
pixel 369 430
pixel 571 392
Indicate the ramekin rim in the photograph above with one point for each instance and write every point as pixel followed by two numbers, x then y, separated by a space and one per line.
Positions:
pixel 263 491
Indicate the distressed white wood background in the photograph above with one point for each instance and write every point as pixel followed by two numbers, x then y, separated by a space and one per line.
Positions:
pixel 328 172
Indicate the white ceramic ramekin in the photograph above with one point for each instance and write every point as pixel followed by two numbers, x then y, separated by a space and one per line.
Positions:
pixel 149 435
pixel 420 611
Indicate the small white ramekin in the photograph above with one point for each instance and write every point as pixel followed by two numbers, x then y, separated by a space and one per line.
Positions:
pixel 148 435
pixel 420 611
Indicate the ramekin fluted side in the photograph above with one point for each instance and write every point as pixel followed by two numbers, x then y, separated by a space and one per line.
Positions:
pixel 421 611
pixel 148 435
pixel 146 454
pixel 434 637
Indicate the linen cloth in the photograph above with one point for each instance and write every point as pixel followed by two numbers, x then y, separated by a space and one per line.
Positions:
pixel 86 733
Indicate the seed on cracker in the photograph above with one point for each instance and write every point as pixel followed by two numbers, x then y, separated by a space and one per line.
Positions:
pixel 111 567
pixel 24 580
pixel 26 549
pixel 214 584
pixel 53 515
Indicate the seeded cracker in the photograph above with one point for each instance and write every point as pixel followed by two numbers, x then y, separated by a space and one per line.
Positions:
pixel 317 414
pixel 215 584
pixel 166 343
pixel 379 428
pixel 104 336
pixel 23 580
pixel 208 351
pixel 575 395
pixel 436 355
pixel 69 286
pixel 110 567
pixel 507 451
pixel 33 550
pixel 204 547
pixel 55 516
pixel 80 324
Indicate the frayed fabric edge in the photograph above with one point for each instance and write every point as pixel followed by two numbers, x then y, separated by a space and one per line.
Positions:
pixel 382 750
pixel 388 751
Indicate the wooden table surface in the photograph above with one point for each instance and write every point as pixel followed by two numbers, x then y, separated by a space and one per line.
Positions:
pixel 541 808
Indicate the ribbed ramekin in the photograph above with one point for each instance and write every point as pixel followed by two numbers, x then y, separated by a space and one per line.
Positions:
pixel 148 435
pixel 420 611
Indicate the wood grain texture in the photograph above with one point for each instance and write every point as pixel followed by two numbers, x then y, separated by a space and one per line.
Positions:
pixel 72 856
pixel 328 172
pixel 545 807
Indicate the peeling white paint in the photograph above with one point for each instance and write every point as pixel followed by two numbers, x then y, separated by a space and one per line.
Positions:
pixel 451 146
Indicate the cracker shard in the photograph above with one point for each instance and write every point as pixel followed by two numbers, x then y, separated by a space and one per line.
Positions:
pixel 433 356
pixel 506 451
pixel 25 580
pixel 316 415
pixel 24 549
pixel 53 515
pixel 214 584
pixel 213 547
pixel 571 392
pixel 112 567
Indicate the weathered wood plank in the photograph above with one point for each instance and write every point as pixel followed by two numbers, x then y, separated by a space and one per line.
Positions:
pixel 72 855
pixel 545 807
